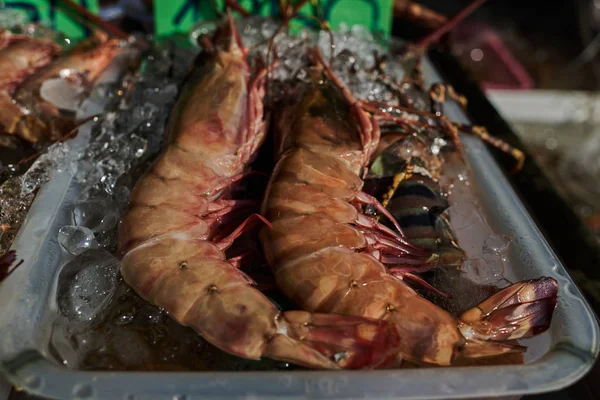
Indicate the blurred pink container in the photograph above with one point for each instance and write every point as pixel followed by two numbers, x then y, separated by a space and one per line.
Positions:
pixel 497 67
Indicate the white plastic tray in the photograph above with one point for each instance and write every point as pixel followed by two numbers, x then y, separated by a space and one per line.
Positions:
pixel 571 344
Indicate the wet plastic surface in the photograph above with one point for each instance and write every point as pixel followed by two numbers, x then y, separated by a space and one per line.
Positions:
pixel 561 356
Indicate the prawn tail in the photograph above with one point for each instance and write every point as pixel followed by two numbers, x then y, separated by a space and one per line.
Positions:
pixel 333 341
pixel 521 310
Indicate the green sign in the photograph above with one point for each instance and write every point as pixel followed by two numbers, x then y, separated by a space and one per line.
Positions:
pixel 48 13
pixel 178 16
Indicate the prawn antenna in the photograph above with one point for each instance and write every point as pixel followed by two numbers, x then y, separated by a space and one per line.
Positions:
pixel 89 18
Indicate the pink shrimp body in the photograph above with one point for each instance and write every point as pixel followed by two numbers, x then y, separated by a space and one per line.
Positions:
pixel 165 238
pixel 326 260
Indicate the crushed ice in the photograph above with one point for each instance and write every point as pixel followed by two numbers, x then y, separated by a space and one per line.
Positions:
pixel 354 50
pixel 496 244
pixel 123 143
pixel 86 284
pixel 76 239
pixel 124 140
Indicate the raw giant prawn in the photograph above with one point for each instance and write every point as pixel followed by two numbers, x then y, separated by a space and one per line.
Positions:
pixel 40 119
pixel 20 56
pixel 166 238
pixel 328 257
pixel 29 63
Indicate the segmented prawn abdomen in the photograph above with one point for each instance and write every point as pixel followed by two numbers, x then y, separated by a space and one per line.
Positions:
pixel 327 173
pixel 324 124
pixel 289 197
pixel 168 259
pixel 144 263
pixel 191 281
pixel 300 235
pixel 175 193
pixel 339 280
pixel 142 223
pixel 178 164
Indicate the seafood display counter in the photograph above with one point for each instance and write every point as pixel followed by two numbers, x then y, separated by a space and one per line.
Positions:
pixel 81 324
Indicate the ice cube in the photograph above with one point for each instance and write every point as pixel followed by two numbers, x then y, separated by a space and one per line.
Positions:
pixel 98 215
pixel 124 319
pixel 13 208
pixel 95 149
pixel 64 93
pixel 44 168
pixel 251 30
pixel 496 244
pixel 86 285
pixel 129 346
pixel 363 34
pixel 137 145
pixel 11 18
pixel 76 239
pixel 268 29
pixel 150 314
pixel 88 173
pixel 438 145
pixel 143 113
pixel 122 194
pixel 163 93
pixel 109 180
pixel 87 341
pixel 484 271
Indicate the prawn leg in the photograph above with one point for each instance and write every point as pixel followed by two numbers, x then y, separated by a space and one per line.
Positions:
pixel 482 133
